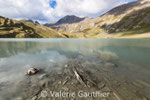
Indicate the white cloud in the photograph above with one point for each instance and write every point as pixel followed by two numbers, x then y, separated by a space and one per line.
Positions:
pixel 25 9
pixel 40 9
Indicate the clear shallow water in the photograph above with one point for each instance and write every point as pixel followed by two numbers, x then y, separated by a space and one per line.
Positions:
pixel 17 55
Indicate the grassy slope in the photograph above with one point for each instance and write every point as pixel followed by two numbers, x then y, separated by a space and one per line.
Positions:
pixel 126 21
pixel 44 31
pixel 24 29
pixel 131 25
pixel 133 22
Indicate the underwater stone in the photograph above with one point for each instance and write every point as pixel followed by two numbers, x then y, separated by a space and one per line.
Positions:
pixel 107 64
pixel 42 76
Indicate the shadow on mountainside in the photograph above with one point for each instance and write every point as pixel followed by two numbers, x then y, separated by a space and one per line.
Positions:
pixel 123 8
pixel 135 22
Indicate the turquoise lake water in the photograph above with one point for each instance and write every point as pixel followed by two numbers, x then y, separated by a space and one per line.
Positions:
pixel 17 55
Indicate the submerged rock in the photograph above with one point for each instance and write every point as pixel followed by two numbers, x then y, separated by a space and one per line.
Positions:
pixel 32 71
pixel 43 76
pixel 107 64
pixel 34 98
pixel 19 98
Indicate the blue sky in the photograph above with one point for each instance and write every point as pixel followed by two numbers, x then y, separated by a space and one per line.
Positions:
pixel 53 2
pixel 52 10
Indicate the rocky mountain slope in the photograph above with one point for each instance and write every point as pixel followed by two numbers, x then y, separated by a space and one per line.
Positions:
pixel 24 29
pixel 69 19
pixel 130 20
pixel 126 20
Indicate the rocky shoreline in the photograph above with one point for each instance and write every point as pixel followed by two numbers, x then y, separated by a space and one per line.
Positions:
pixel 78 79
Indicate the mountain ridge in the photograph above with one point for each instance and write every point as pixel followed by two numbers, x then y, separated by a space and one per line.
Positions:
pixel 65 20
pixel 131 20
pixel 24 29
pixel 124 20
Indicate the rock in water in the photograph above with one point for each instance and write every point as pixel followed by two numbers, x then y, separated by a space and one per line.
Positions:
pixel 19 98
pixel 42 76
pixel 32 71
pixel 107 64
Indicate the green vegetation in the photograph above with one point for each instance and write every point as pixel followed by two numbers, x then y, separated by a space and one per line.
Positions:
pixel 24 29
pixel 135 21
pixel 132 22
pixel 85 30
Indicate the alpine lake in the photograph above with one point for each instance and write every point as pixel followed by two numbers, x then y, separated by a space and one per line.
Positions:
pixel 75 69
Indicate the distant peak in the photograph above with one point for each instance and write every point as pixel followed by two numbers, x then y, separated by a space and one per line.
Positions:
pixel 30 20
pixel 69 19
pixel 70 16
